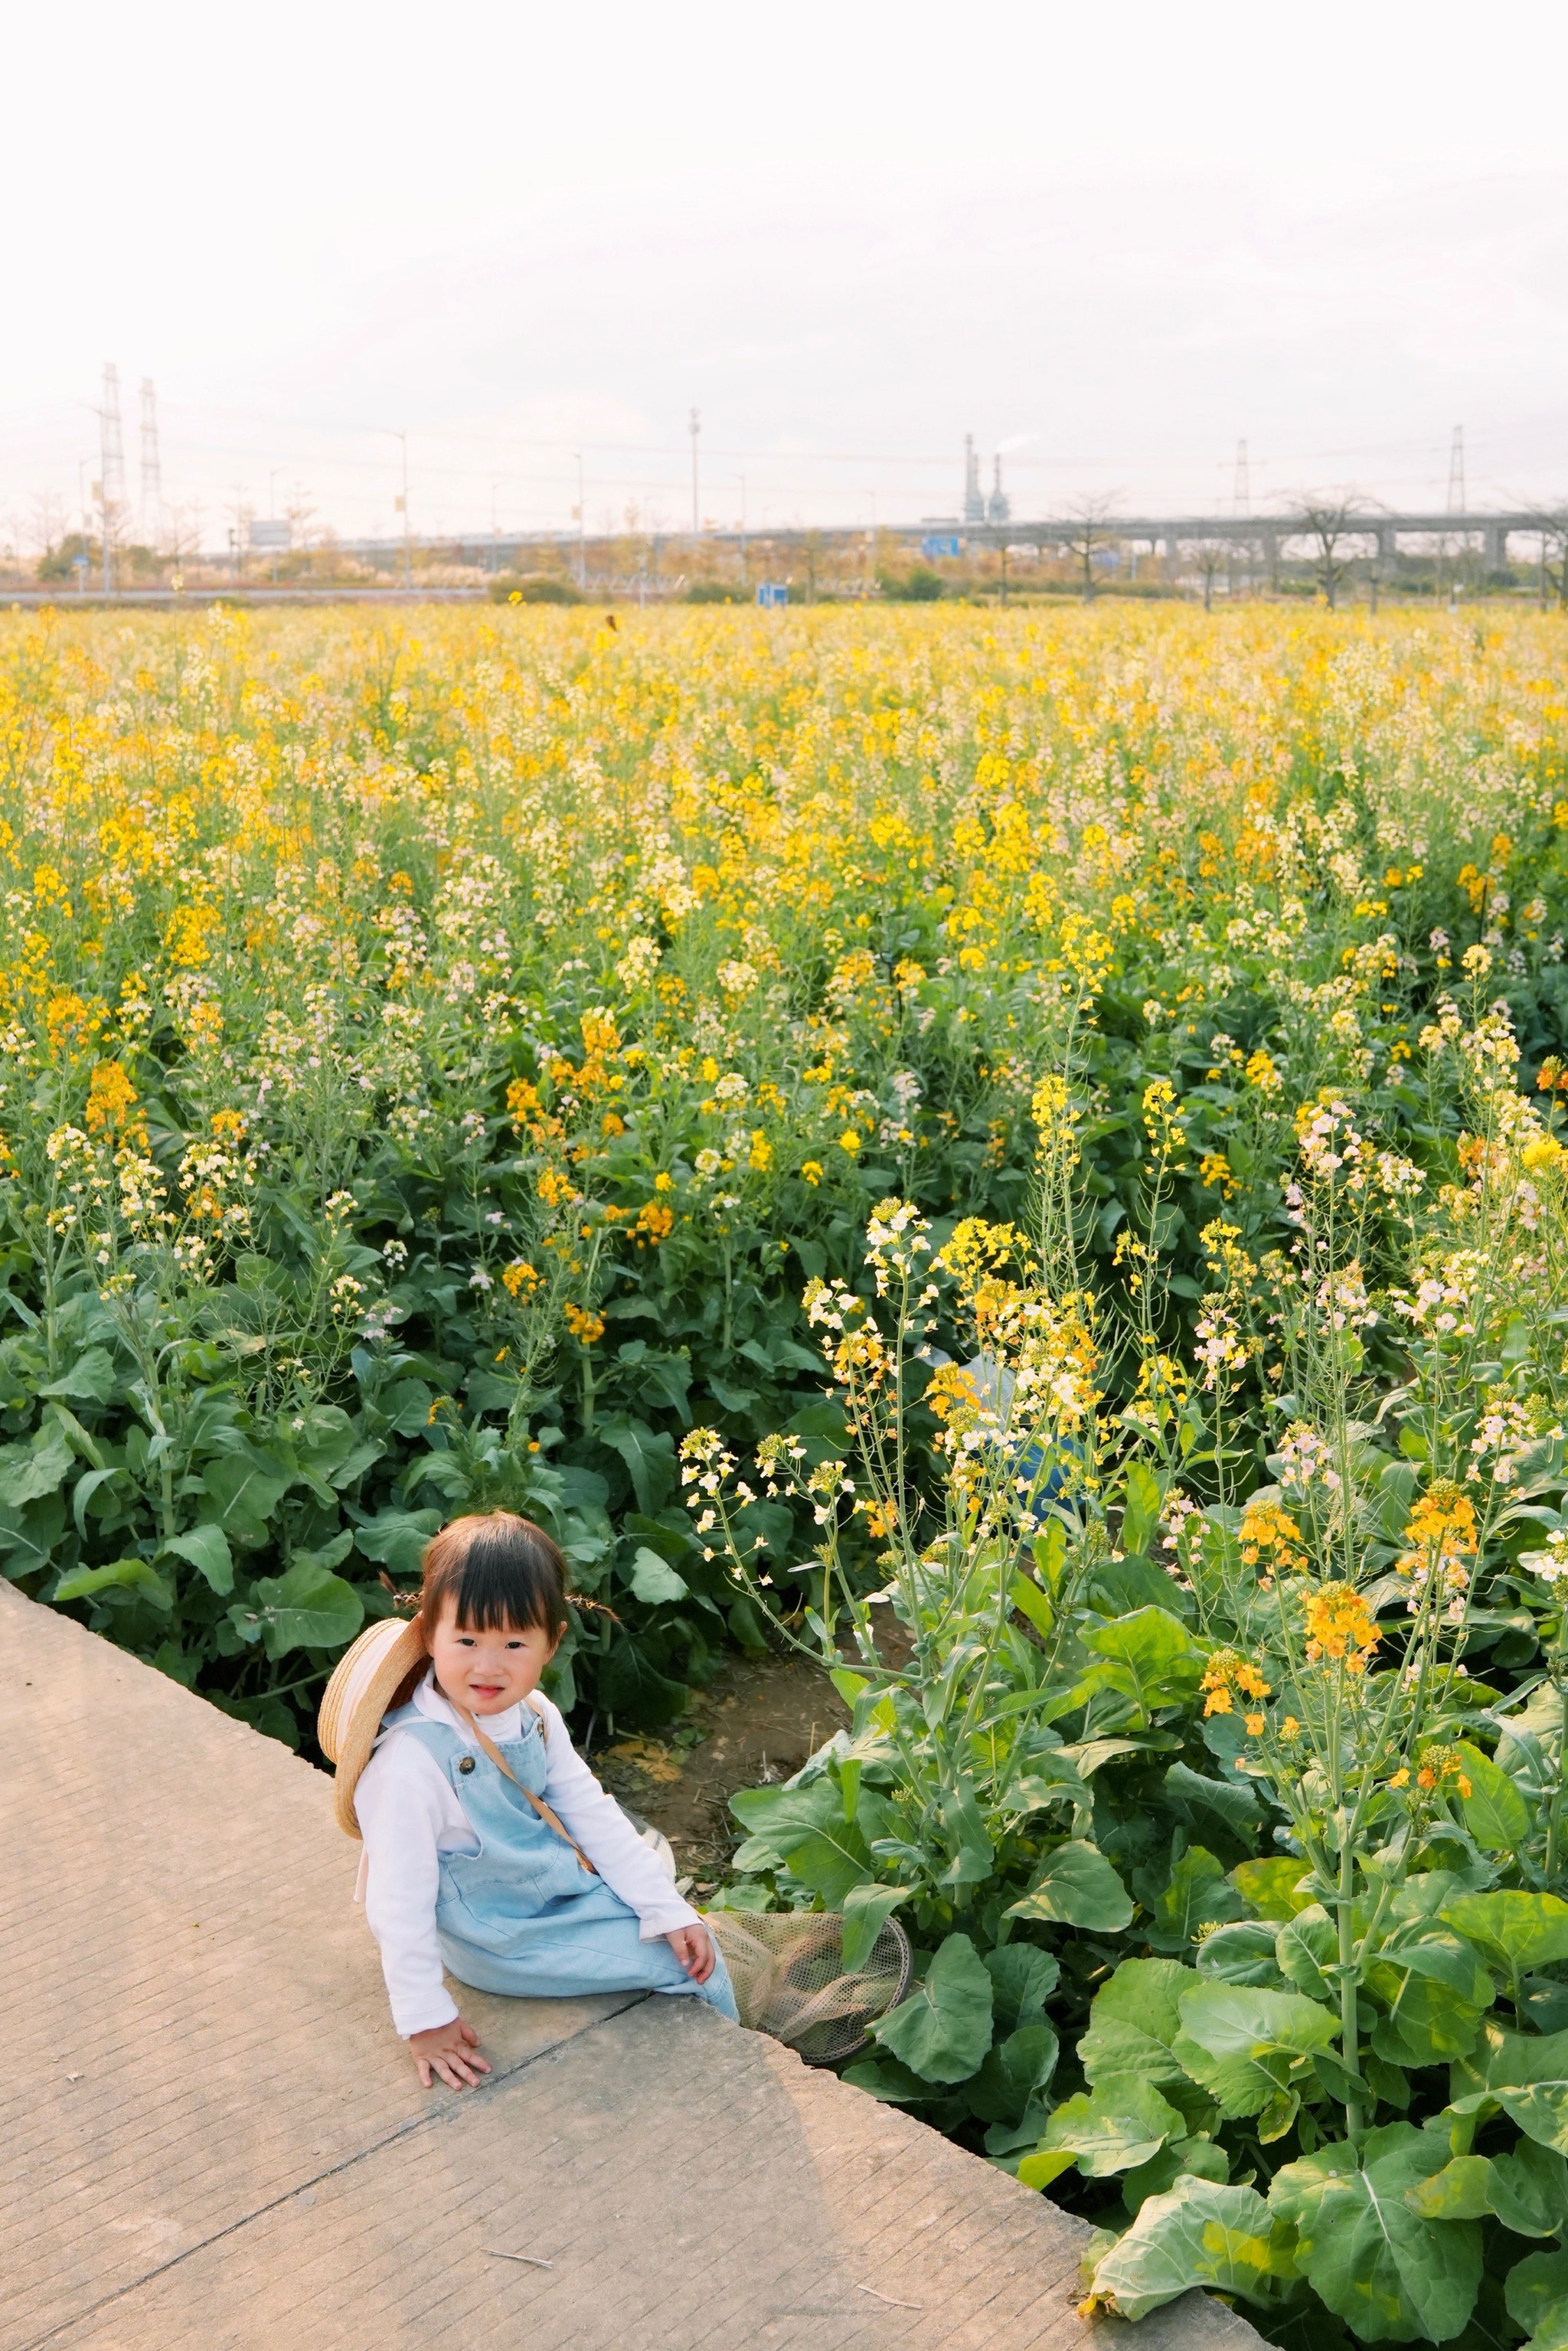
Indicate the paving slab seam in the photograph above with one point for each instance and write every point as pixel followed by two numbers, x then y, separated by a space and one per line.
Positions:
pixel 433 2118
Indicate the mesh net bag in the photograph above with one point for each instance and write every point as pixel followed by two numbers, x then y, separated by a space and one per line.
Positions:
pixel 787 1969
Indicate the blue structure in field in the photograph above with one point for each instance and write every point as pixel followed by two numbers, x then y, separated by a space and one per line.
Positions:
pixel 933 548
pixel 772 591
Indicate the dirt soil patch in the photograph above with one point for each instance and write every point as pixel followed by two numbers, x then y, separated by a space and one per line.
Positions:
pixel 756 1722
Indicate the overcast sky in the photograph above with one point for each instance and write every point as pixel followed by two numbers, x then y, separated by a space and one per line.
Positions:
pixel 1112 242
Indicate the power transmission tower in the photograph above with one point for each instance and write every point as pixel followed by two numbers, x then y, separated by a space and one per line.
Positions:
pixel 112 458
pixel 151 472
pixel 1241 494
pixel 694 428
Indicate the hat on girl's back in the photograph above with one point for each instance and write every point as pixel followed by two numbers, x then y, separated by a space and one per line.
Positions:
pixel 365 1681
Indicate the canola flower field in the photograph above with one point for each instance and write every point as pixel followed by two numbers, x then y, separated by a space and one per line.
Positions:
pixel 1037 1131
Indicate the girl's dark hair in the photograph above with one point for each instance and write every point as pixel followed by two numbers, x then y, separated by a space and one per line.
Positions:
pixel 498 1570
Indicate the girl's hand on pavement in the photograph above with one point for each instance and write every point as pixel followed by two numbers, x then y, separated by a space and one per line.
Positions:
pixel 693 1946
pixel 448 2050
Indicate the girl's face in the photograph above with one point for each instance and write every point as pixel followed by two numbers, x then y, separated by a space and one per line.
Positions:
pixel 487 1672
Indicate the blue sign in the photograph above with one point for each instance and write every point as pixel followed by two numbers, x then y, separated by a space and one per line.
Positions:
pixel 772 591
pixel 933 548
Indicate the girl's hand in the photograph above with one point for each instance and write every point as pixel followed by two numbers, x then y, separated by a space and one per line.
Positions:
pixel 445 2050
pixel 693 1946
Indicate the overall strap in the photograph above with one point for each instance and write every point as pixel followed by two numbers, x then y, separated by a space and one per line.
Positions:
pixel 545 1811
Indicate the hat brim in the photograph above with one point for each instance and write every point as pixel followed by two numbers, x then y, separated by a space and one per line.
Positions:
pixel 363 1684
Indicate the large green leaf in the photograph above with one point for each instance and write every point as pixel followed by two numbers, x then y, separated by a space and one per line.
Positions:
pixel 1113 2128
pixel 1536 2291
pixel 1197 1894
pixel 1012 2073
pixel 1496 1814
pixel 654 1580
pixel 245 1489
pixel 1135 2021
pixel 1529 2190
pixel 1076 1886
pixel 89 1380
pixel 29 1471
pixel 1195 1798
pixel 1461 2191
pixel 207 1548
pixel 1273 1888
pixel 395 1539
pixel 1526 2074
pixel 1243 2044
pixel 1023 1977
pixel 309 1608
pixel 137 1576
pixel 1152 1660
pixel 944 2029
pixel 1243 1952
pixel 1199 2234
pixel 1390 2275
pixel 866 1909
pixel 1428 2023
pixel 1516 1932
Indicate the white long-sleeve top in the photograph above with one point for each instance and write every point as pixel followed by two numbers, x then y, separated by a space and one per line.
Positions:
pixel 409 1815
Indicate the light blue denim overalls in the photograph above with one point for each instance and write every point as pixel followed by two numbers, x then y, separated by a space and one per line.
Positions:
pixel 522 1916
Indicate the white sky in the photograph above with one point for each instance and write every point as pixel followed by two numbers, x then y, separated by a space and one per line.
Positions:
pixel 1112 239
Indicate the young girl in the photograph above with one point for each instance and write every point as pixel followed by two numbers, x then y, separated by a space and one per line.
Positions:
pixel 489 1845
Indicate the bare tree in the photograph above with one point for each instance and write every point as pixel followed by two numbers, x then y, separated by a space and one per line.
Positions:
pixel 1091 519
pixel 1552 522
pixel 1212 556
pixel 1327 521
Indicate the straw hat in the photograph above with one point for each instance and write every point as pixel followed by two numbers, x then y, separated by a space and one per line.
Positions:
pixel 359 1694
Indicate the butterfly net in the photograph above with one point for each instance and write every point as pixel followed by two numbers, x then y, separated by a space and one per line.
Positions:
pixel 789 1977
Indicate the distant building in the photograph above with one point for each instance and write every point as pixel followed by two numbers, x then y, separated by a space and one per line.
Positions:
pixel 1000 508
pixel 974 497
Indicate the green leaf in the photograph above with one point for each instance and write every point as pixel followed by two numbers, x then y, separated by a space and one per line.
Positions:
pixel 970 1849
pixel 1517 1931
pixel 1199 2234
pixel 1390 2275
pixel 1023 1977
pixel 1529 2190
pixel 1243 1952
pixel 1496 1814
pixel 309 1608
pixel 1428 2023
pixel 134 1575
pixel 1196 1895
pixel 207 1548
pixel 1536 2292
pixel 395 1539
pixel 1527 2074
pixel 1191 1796
pixel 883 2078
pixel 1196 2157
pixel 649 1456
pixel 866 1909
pixel 1114 2129
pixel 1242 2043
pixel 1012 2073
pixel 1461 2191
pixel 1151 1658
pixel 944 2029
pixel 654 1580
pixel 1141 1511
pixel 1306 1947
pixel 1135 2021
pixel 1273 1888
pixel 29 1471
pixel 90 1379
pixel 1078 1887
pixel 246 1487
